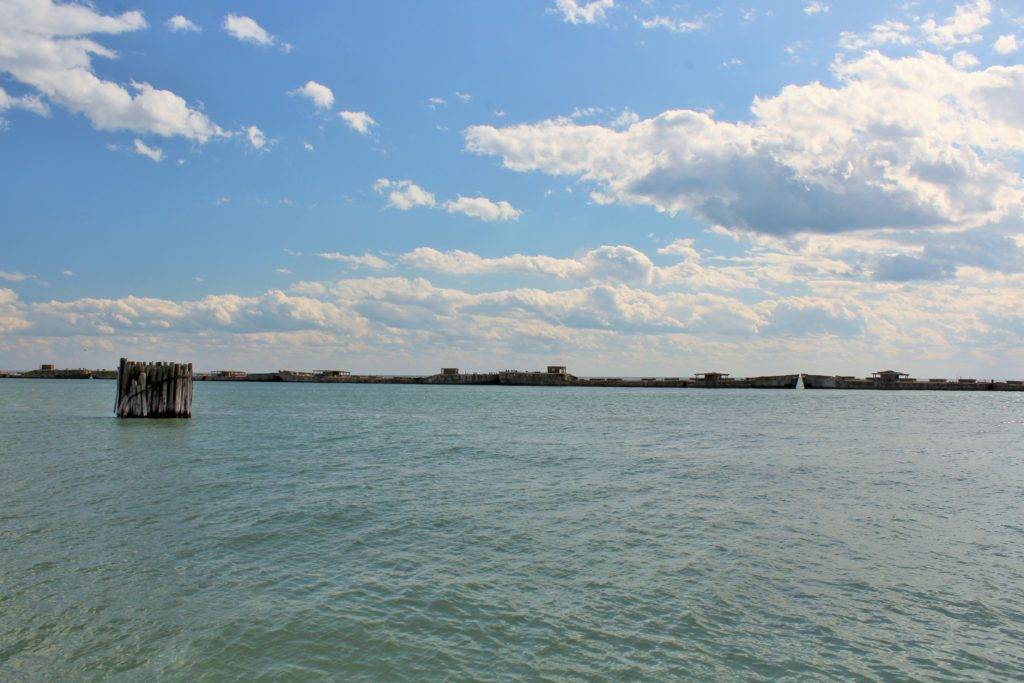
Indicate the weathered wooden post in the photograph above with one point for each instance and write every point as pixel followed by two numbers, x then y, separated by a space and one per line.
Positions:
pixel 153 389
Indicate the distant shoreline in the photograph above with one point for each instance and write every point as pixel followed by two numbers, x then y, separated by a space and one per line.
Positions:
pixel 558 376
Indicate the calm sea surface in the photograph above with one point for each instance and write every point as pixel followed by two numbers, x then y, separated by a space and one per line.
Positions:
pixel 397 532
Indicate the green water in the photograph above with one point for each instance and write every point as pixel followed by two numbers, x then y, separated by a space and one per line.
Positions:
pixel 368 532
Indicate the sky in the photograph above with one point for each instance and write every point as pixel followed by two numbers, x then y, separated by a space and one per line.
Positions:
pixel 622 187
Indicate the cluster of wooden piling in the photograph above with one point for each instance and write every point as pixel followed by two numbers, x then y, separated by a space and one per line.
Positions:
pixel 153 389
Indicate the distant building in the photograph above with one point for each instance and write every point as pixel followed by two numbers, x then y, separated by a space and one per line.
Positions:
pixel 556 370
pixel 229 373
pixel 711 377
pixel 47 367
pixel 449 371
pixel 335 373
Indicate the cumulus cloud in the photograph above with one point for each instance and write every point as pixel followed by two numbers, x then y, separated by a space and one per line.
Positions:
pixel 1006 45
pixel 181 24
pixel 582 11
pixel 628 117
pixel 257 140
pixel 13 276
pixel 816 7
pixel 885 33
pixel 403 194
pixel 49 47
pixel 965 60
pixel 458 262
pixel 366 260
pixel 153 153
pixel 961 28
pixel 681 247
pixel 359 121
pixel 317 93
pixel 605 264
pixel 31 103
pixel 673 25
pixel 899 143
pixel 904 268
pixel 807 316
pixel 613 305
pixel 483 209
pixel 246 29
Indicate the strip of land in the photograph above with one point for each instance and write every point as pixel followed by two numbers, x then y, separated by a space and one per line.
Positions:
pixel 558 376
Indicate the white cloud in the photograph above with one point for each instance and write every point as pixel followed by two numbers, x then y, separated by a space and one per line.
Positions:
pixel 49 48
pixel 31 103
pixel 179 23
pixel 67 273
pixel 256 137
pixel 435 102
pixel 611 308
pixel 464 96
pixel 247 30
pixel 283 271
pixel 13 276
pixel 367 260
pixel 794 49
pixel 404 194
pixel 885 33
pixel 359 121
pixel 900 143
pixel 816 7
pixel 965 60
pixel 317 93
pixel 154 153
pixel 582 11
pixel 308 147
pixel 483 208
pixel 625 119
pixel 673 25
pixel 961 28
pixel 1006 45
pixel 681 247
pixel 603 264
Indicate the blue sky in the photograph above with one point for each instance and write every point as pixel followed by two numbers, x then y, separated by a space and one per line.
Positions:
pixel 631 187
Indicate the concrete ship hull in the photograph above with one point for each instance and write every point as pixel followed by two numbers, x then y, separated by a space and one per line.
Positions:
pixel 827 382
pixel 520 378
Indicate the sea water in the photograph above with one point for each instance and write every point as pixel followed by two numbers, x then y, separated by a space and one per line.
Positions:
pixel 383 532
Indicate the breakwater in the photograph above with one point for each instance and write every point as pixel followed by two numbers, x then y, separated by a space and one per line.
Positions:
pixel 62 373
pixel 554 376
pixel 891 380
pixel 558 376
